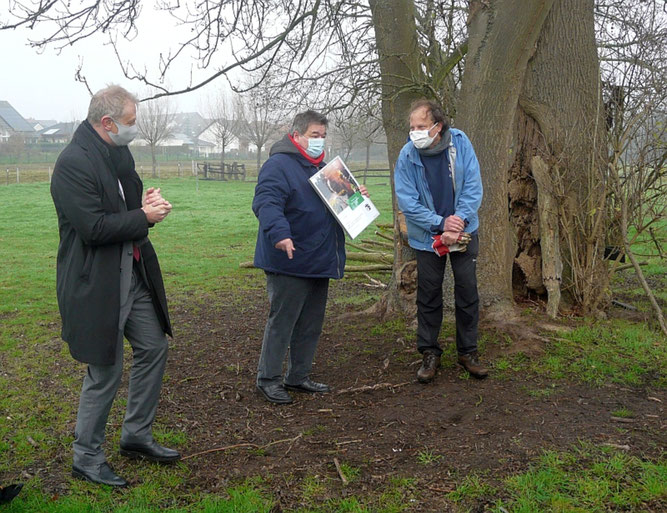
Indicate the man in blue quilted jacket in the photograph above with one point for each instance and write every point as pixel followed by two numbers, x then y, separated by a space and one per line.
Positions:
pixel 300 246
pixel 439 190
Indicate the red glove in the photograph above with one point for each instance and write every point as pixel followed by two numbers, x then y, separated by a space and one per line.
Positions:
pixel 439 246
pixel 461 244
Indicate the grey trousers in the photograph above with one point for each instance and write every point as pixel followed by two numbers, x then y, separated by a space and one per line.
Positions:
pixel 295 323
pixel 139 323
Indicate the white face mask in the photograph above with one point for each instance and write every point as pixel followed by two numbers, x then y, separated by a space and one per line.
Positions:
pixel 315 147
pixel 421 139
pixel 125 135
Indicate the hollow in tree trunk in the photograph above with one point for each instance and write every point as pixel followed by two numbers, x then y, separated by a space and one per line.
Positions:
pixel 502 37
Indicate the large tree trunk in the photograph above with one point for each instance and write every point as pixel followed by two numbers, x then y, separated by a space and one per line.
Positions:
pixel 502 37
pixel 530 89
pixel 398 49
pixel 560 121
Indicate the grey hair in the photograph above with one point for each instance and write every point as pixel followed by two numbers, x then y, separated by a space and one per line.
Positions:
pixel 304 119
pixel 434 109
pixel 110 101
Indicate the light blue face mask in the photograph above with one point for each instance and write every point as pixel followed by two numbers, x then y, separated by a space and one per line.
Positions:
pixel 315 147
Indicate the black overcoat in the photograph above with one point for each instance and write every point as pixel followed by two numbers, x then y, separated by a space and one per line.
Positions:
pixel 93 225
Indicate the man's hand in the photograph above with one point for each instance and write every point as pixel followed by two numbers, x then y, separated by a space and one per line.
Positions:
pixel 152 195
pixel 287 246
pixel 364 191
pixel 156 212
pixel 454 224
pixel 155 206
pixel 450 237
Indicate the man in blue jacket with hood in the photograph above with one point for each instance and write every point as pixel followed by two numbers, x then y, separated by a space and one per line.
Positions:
pixel 439 190
pixel 300 246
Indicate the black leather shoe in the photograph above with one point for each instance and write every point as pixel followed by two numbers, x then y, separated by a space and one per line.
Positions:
pixel 100 474
pixel 275 393
pixel 9 492
pixel 312 387
pixel 151 451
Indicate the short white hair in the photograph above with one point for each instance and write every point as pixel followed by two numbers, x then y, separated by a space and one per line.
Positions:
pixel 110 101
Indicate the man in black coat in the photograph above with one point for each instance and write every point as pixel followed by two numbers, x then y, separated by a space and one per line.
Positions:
pixel 109 283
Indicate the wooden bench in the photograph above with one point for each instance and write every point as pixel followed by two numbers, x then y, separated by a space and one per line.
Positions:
pixel 363 174
pixel 211 171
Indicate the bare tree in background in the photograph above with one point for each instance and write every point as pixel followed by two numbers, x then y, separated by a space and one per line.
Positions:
pixel 357 126
pixel 371 132
pixel 226 116
pixel 632 37
pixel 348 128
pixel 155 121
pixel 521 78
pixel 263 116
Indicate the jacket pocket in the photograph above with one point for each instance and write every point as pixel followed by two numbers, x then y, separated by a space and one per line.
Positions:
pixel 89 255
pixel 313 240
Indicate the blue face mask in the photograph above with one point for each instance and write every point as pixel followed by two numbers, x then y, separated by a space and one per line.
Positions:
pixel 315 147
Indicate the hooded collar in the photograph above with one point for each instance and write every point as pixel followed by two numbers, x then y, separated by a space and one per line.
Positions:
pixel 314 161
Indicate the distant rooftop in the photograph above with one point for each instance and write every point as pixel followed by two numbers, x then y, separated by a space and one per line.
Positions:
pixel 13 119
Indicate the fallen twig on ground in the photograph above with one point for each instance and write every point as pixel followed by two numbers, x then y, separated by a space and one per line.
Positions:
pixel 624 420
pixel 378 243
pixel 340 472
pixel 367 388
pixel 384 236
pixel 618 446
pixel 377 284
pixel 245 444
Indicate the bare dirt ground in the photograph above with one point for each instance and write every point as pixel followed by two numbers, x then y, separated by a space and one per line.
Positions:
pixel 378 419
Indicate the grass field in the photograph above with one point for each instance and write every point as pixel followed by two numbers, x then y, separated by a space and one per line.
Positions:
pixel 200 245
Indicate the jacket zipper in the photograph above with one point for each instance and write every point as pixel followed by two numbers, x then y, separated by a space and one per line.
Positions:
pixel 340 271
pixel 451 155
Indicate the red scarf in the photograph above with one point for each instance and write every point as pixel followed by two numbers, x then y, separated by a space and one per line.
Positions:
pixel 315 162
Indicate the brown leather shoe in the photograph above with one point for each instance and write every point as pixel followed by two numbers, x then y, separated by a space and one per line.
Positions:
pixel 429 367
pixel 470 362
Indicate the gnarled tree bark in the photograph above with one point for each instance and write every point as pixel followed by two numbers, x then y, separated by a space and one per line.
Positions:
pixel 502 38
pixel 398 50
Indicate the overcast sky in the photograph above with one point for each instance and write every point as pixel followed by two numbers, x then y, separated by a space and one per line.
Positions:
pixel 42 86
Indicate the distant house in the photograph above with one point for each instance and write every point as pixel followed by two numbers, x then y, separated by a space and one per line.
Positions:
pixel 58 133
pixel 190 123
pixel 191 132
pixel 12 123
pixel 194 133
pixel 189 127
pixel 41 124
pixel 182 141
pixel 236 143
